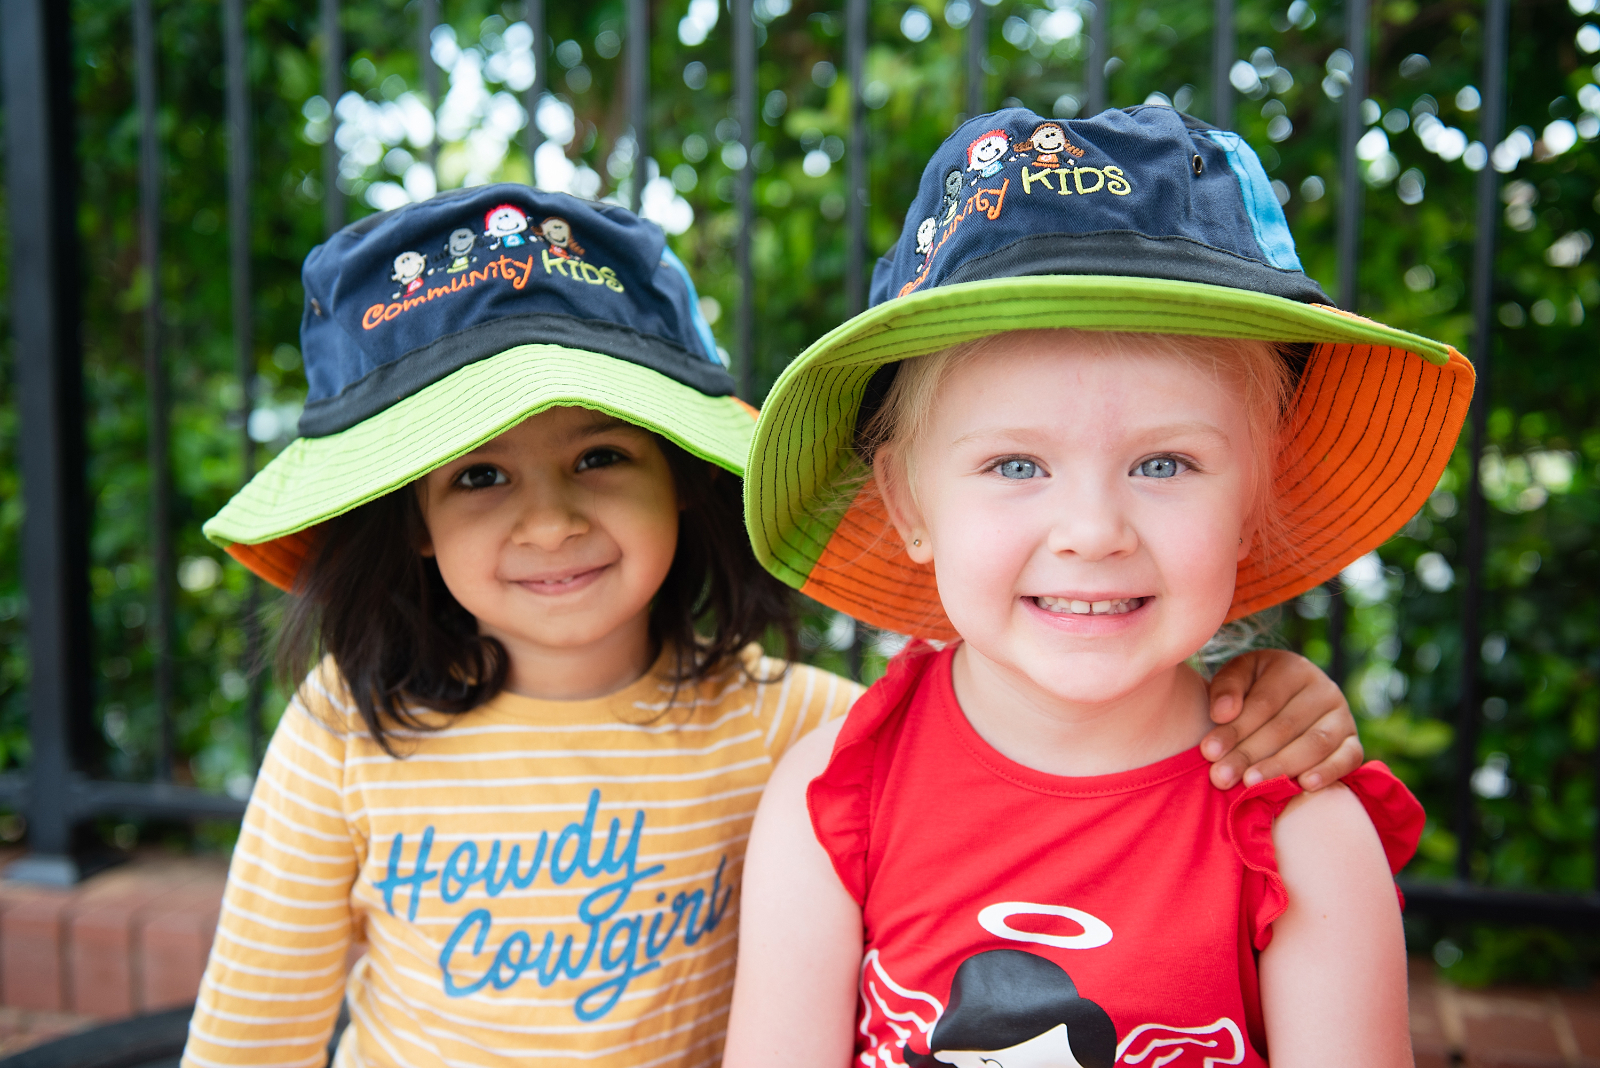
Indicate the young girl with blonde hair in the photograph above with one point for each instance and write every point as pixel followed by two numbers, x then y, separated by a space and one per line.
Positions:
pixel 1104 414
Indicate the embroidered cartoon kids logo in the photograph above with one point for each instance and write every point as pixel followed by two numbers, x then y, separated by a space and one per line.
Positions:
pixel 408 268
pixel 985 202
pixel 505 225
pixel 1049 140
pixel 952 196
pixel 558 232
pixel 926 230
pixel 458 251
pixel 986 153
pixel 1012 1009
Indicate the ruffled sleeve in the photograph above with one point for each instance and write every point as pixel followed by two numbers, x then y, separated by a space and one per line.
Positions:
pixel 1396 814
pixel 840 800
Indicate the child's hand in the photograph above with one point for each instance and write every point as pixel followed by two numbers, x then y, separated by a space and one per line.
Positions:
pixel 1279 715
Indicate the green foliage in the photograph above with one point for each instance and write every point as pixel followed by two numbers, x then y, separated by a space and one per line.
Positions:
pixel 1542 474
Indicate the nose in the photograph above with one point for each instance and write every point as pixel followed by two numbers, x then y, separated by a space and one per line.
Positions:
pixel 1092 524
pixel 549 514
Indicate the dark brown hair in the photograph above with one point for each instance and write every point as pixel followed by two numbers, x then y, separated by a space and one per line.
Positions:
pixel 370 599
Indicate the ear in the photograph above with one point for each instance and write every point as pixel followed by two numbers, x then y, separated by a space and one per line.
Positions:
pixel 1247 535
pixel 889 474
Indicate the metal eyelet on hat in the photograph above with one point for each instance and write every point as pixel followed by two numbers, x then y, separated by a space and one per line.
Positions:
pixel 1199 165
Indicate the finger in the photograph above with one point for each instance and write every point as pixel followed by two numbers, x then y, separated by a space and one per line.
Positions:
pixel 1283 679
pixel 1301 754
pixel 1344 760
pixel 1228 687
pixel 1268 734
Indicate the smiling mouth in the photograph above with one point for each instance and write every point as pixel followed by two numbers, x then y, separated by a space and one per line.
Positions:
pixel 559 585
pixel 1063 606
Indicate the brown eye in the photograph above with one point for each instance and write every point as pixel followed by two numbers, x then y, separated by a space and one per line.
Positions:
pixel 481 476
pixel 599 458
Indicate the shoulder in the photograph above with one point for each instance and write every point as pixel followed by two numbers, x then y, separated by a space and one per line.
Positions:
pixel 807 758
pixel 1323 834
pixel 1332 810
pixel 322 703
pixel 790 698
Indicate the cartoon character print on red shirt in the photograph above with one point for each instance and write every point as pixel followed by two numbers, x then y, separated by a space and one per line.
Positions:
pixel 1014 1009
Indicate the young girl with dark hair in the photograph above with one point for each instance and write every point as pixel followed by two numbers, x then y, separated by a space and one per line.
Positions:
pixel 522 767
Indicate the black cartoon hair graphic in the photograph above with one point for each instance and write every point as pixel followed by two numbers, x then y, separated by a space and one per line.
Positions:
pixel 926 230
pixel 558 232
pixel 952 196
pixel 457 255
pixel 408 270
pixel 1012 1009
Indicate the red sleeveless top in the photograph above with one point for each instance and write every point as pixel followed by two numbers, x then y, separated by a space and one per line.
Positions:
pixel 1025 920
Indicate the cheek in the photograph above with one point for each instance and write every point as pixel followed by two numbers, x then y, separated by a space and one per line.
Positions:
pixel 645 525
pixel 1197 550
pixel 466 550
pixel 980 550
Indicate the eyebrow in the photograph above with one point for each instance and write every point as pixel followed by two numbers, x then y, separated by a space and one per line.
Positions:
pixel 1167 430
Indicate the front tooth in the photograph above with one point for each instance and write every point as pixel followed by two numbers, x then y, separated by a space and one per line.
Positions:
pixel 1080 608
pixel 1100 608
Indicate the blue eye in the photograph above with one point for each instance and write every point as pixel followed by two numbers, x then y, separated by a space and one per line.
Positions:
pixel 481 476
pixel 1019 469
pixel 1159 467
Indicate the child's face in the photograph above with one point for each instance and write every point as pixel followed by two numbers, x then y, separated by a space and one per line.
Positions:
pixel 557 533
pixel 1052 476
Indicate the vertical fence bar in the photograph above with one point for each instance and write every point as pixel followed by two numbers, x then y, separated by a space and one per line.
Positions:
pixel 533 14
pixel 239 168
pixel 1488 218
pixel 858 177
pixel 1350 131
pixel 1223 47
pixel 158 427
pixel 41 195
pixel 855 254
pixel 977 53
pixel 744 113
pixel 1094 68
pixel 1349 251
pixel 427 22
pixel 639 98
pixel 332 90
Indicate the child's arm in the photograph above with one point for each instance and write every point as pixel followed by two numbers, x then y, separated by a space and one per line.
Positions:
pixel 275 977
pixel 1279 715
pixel 1333 979
pixel 794 992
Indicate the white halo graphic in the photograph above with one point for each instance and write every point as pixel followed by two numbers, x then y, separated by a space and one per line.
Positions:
pixel 1096 932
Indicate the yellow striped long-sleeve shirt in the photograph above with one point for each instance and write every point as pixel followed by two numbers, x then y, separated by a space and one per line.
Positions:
pixel 540 880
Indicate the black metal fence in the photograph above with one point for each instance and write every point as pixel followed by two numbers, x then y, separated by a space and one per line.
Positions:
pixel 41 180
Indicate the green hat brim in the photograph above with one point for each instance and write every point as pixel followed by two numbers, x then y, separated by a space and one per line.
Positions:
pixel 314 479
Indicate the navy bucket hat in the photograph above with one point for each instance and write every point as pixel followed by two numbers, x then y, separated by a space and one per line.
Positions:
pixel 432 328
pixel 1137 220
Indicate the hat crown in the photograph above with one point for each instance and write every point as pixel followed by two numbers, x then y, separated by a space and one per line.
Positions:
pixel 1146 192
pixel 400 299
